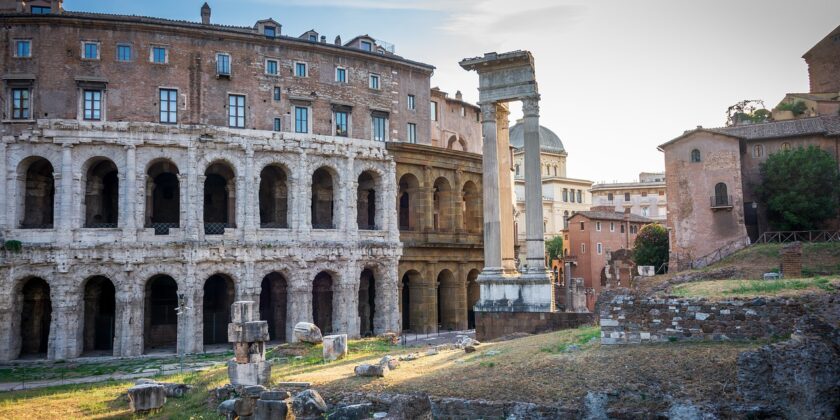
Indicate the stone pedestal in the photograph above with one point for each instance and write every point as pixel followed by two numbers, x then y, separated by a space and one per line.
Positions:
pixel 248 336
pixel 335 347
pixel 146 398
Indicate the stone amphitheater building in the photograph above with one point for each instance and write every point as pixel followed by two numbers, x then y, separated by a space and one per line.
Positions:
pixel 150 163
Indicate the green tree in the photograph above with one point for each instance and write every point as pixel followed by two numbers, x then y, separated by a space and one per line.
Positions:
pixel 555 248
pixel 651 246
pixel 800 187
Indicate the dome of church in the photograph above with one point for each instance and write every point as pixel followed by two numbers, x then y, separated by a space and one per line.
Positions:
pixel 549 142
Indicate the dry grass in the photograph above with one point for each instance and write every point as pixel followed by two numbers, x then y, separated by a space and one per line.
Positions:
pixel 727 289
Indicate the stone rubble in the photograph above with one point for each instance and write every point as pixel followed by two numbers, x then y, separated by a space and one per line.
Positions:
pixel 147 397
pixel 335 347
pixel 308 333
pixel 248 335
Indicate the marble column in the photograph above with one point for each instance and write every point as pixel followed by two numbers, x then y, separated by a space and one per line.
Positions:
pixel 490 185
pixel 128 217
pixel 534 236
pixel 298 308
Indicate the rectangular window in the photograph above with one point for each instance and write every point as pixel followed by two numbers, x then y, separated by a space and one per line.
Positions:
pixel 340 75
pixel 378 128
pixel 123 52
pixel 626 196
pixel 277 93
pixel 341 124
pixel 270 31
pixel 277 124
pixel 580 196
pixel 410 102
pixel 412 133
pixel 599 248
pixel 622 228
pixel 434 111
pixel 23 48
pixel 168 106
pixel 597 226
pixel 20 104
pixel 92 105
pixel 236 111
pixel 463 112
pixel 367 46
pixel 301 119
pixel 300 70
pixel 374 81
pixel 313 37
pixel 565 195
pixel 645 211
pixel 612 226
pixel 581 225
pixel 90 51
pixel 271 67
pixel 40 10
pixel 583 248
pixel 159 55
pixel 223 64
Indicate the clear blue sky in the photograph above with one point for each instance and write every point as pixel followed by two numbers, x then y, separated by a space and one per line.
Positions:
pixel 617 77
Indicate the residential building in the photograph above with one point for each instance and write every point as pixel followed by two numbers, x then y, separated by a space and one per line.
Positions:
pixel 455 123
pixel 645 197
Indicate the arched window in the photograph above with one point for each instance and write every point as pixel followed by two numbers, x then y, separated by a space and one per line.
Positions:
pixel 547 169
pixel 322 199
pixel 566 219
pixel 721 197
pixel 785 146
pixel 695 155
pixel 366 201
pixel 758 151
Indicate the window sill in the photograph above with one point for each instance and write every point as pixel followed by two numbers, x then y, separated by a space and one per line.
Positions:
pixel 18 121
pixel 223 76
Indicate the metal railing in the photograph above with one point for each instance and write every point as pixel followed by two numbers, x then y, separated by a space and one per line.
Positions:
pixel 720 201
pixel 101 225
pixel 799 236
pixel 323 226
pixel 163 228
pixel 274 225
pixel 720 253
pixel 36 226
pixel 215 228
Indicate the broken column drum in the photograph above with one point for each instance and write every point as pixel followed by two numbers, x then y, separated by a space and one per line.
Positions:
pixel 248 335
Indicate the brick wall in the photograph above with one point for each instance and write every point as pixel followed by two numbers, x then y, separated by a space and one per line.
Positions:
pixel 626 318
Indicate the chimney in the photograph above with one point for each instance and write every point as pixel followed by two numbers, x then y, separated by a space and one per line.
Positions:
pixel 323 39
pixel 338 40
pixel 205 14
pixel 458 95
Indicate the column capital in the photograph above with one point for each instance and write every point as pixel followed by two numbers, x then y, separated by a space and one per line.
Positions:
pixel 531 106
pixel 488 112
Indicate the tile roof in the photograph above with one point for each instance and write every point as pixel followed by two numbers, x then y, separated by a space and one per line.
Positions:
pixel 612 215
pixel 825 125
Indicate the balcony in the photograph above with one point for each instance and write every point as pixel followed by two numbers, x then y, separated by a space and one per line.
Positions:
pixel 721 202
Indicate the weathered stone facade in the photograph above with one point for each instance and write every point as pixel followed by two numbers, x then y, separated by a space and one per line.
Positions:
pixel 823 61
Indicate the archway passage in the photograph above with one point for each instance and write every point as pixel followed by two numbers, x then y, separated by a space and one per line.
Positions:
pixel 473 296
pixel 322 298
pixel 160 319
pixel 35 318
pixel 471 207
pixel 219 199
pixel 322 200
pixel 102 195
pixel 163 202
pixel 367 302
pixel 416 316
pixel 366 201
pixel 274 196
pixel 448 299
pixel 39 195
pixel 100 311
pixel 442 203
pixel 408 215
pixel 273 301
pixel 219 294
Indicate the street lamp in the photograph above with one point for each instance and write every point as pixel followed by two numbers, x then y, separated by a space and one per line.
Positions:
pixel 182 309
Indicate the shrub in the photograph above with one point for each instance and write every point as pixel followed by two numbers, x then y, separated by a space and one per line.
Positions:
pixel 554 246
pixel 12 246
pixel 798 107
pixel 651 246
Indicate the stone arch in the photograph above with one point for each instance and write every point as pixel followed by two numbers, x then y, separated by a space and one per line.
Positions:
pixel 163 196
pixel 274 196
pixel 33 293
pixel 37 208
pixel 409 202
pixel 367 302
pixel 368 196
pixel 322 301
pixel 219 293
pixel 274 304
pixel 449 297
pixel 99 320
pixel 102 193
pixel 160 320
pixel 456 140
pixel 324 188
pixel 471 207
pixel 219 197
pixel 442 204
pixel 414 318
pixel 473 297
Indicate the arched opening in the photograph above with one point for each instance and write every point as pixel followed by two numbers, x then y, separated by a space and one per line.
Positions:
pixel 471 207
pixel 448 297
pixel 442 204
pixel 456 143
pixel 160 319
pixel 322 199
pixel 721 196
pixel 408 203
pixel 35 318
pixel 100 310
pixel 473 296
pixel 695 155
pixel 273 301
pixel 219 198
pixel 366 201
pixel 322 296
pixel 102 195
pixel 39 195
pixel 163 197
pixel 367 306
pixel 413 316
pixel 219 293
pixel 274 196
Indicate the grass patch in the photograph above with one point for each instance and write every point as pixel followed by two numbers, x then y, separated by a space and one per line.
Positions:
pixel 583 336
pixel 754 288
